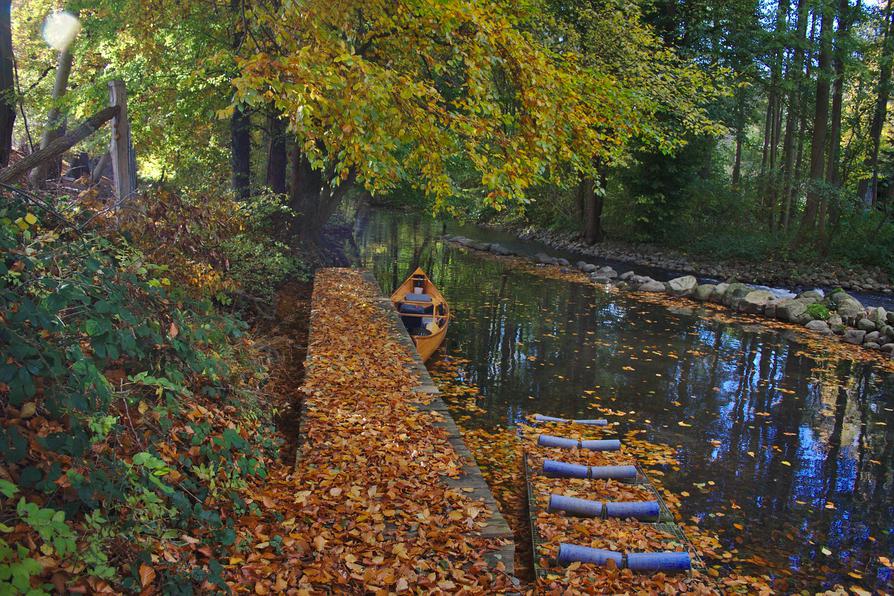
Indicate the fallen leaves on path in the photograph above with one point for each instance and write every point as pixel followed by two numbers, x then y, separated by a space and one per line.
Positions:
pixel 366 508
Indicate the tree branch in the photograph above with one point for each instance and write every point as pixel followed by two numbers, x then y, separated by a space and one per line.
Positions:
pixel 60 145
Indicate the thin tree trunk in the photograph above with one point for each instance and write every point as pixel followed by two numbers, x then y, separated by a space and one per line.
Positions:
pixel 868 189
pixel 774 114
pixel 740 137
pixel 845 18
pixel 55 126
pixel 277 157
pixel 820 129
pixel 791 117
pixel 7 83
pixel 99 168
pixel 240 130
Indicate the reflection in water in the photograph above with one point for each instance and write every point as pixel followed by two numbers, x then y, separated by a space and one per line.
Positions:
pixel 788 457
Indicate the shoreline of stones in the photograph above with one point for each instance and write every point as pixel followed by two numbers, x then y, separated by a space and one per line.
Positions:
pixel 834 314
pixel 776 272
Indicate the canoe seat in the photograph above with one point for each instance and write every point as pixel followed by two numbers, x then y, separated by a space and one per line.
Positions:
pixel 411 297
pixel 414 309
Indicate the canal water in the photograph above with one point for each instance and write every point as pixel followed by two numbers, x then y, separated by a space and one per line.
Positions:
pixel 786 455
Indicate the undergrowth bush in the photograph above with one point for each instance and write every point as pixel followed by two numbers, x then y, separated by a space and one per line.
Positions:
pixel 214 245
pixel 131 418
pixel 865 238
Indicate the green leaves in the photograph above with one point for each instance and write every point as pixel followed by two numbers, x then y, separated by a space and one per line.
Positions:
pixel 98 371
pixel 7 488
pixel 16 568
pixel 50 525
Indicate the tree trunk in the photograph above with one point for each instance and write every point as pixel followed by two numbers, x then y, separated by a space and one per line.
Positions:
pixel 99 168
pixel 820 128
pixel 845 18
pixel 55 126
pixel 59 146
pixel 774 113
pixel 240 159
pixel 589 193
pixel 740 137
pixel 791 117
pixel 7 83
pixel 316 207
pixel 277 157
pixel 240 128
pixel 868 189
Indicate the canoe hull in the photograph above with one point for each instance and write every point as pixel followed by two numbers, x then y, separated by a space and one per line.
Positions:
pixel 426 345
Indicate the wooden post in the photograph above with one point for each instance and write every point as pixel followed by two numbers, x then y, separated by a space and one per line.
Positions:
pixel 123 158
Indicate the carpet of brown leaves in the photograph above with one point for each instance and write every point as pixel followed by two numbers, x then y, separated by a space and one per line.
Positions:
pixel 365 509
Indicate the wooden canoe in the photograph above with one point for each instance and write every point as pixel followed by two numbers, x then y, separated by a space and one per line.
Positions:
pixel 423 311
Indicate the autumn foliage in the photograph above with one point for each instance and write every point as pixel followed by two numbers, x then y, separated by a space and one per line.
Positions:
pixel 132 417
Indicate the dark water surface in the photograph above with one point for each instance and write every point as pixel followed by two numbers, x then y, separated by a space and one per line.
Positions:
pixel 787 456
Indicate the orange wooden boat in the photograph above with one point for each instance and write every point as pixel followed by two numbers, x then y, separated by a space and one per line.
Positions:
pixel 424 312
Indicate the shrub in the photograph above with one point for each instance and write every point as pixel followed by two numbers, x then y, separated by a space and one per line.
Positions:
pixel 130 413
pixel 818 311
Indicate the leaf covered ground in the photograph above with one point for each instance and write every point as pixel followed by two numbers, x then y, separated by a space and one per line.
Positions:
pixel 365 508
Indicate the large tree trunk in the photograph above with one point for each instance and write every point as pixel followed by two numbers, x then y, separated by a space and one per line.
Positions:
pixel 240 158
pixel 55 126
pixel 7 83
pixel 59 146
pixel 312 198
pixel 868 189
pixel 820 128
pixel 277 157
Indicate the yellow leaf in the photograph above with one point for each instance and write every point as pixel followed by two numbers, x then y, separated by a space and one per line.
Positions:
pixel 147 575
pixel 30 219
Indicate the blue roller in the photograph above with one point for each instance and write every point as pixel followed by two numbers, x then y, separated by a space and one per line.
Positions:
pixel 613 472
pixel 571 553
pixel 562 442
pixel 660 561
pixel 591 422
pixel 575 506
pixel 542 418
pixel 560 469
pixel 601 444
pixel 634 509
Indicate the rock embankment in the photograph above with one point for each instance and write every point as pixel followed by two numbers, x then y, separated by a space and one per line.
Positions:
pixel 836 313
pixel 780 271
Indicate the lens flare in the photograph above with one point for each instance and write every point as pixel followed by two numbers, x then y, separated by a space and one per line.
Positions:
pixel 60 29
